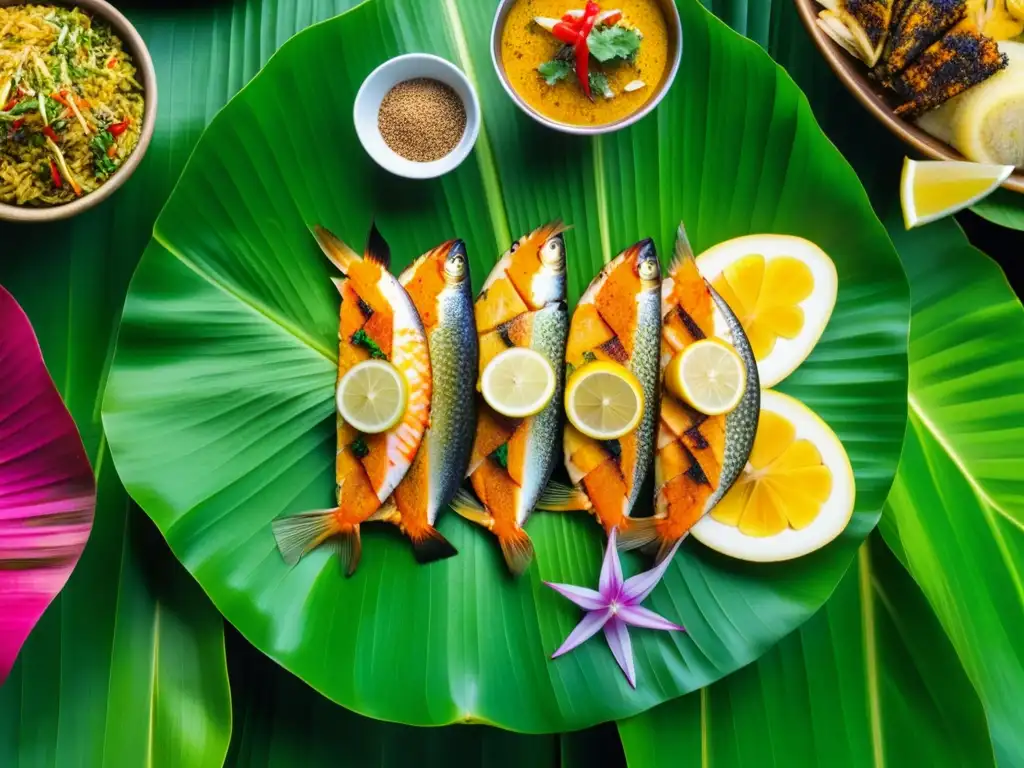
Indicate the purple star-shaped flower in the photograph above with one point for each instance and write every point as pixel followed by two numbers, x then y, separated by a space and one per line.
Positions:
pixel 614 606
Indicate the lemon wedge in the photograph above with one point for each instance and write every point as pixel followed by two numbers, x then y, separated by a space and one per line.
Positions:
pixel 518 383
pixel 783 290
pixel 795 495
pixel 709 376
pixel 372 396
pixel 604 400
pixel 934 189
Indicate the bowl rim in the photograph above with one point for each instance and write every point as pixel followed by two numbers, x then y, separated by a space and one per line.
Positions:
pixel 675 23
pixel 136 46
pixel 846 69
pixel 393 162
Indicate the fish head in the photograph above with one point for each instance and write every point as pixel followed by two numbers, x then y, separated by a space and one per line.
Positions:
pixel 456 268
pixel 644 258
pixel 536 266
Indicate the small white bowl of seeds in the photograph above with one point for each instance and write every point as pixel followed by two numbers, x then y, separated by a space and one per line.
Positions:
pixel 417 116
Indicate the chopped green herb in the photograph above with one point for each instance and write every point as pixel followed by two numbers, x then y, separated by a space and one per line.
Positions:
pixel 614 42
pixel 589 357
pixel 599 84
pixel 500 456
pixel 570 369
pixel 359 447
pixel 361 339
pixel 555 70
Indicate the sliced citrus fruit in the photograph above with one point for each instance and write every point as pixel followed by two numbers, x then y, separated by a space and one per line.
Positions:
pixel 783 290
pixel 933 189
pixel 795 495
pixel 372 396
pixel 518 382
pixel 708 375
pixel 604 400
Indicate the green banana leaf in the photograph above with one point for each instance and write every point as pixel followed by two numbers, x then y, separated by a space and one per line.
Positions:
pixel 870 680
pixel 1004 208
pixel 281 722
pixel 219 401
pixel 955 515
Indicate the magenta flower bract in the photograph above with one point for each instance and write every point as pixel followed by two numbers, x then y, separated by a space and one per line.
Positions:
pixel 47 490
pixel 615 606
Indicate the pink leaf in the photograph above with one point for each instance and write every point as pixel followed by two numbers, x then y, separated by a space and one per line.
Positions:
pixel 47 489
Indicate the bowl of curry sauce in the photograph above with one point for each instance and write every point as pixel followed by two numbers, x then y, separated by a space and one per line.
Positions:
pixel 586 67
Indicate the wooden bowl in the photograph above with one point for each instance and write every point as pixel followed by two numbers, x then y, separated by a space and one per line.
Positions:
pixel 134 44
pixel 878 100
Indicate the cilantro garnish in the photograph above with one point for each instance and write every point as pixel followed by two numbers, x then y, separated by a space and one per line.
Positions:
pixel 361 339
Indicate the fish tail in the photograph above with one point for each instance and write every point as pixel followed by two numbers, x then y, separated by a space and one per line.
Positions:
pixel 517 549
pixel 683 251
pixel 466 505
pixel 334 249
pixel 430 545
pixel 558 497
pixel 386 513
pixel 297 535
pixel 349 546
pixel 641 533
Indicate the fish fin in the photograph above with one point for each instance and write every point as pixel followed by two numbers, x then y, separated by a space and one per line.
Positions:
pixel 377 248
pixel 467 506
pixel 386 513
pixel 297 535
pixel 339 283
pixel 431 546
pixel 334 249
pixel 517 549
pixel 553 228
pixel 683 251
pixel 558 497
pixel 349 546
pixel 640 533
pixel 664 550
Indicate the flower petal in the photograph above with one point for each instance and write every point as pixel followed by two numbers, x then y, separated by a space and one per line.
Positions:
pixel 617 635
pixel 586 629
pixel 587 599
pixel 611 570
pixel 637 588
pixel 638 616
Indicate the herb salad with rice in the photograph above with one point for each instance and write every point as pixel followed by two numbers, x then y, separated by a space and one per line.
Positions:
pixel 71 108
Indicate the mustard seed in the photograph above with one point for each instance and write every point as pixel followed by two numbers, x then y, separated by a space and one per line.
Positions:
pixel 422 119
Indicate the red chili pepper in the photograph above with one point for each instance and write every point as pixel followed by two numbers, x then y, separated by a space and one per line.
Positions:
pixel 112 63
pixel 10 104
pixel 565 32
pixel 118 128
pixel 55 174
pixel 17 124
pixel 50 134
pixel 611 19
pixel 583 48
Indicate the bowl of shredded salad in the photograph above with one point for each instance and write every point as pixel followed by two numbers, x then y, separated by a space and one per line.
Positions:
pixel 77 106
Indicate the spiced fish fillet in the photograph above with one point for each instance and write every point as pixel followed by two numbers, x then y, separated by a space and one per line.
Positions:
pixel 377 318
pixel 697 457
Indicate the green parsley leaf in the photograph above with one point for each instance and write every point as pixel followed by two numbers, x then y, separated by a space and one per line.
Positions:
pixel 500 456
pixel 615 42
pixel 362 339
pixel 599 84
pixel 554 70
pixel 589 357
pixel 359 447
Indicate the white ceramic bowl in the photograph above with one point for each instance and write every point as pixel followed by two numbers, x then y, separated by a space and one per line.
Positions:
pixel 387 76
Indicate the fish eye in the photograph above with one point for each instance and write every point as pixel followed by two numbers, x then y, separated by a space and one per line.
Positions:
pixel 551 252
pixel 648 270
pixel 456 265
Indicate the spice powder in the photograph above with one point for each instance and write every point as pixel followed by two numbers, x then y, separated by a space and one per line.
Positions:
pixel 422 119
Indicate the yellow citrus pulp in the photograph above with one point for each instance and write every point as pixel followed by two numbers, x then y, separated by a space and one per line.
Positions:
pixel 518 382
pixel 795 495
pixel 934 189
pixel 782 289
pixel 372 396
pixel 604 400
pixel 708 376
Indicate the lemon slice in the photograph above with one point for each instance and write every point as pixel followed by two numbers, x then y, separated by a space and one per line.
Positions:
pixel 604 400
pixel 795 495
pixel 783 290
pixel 372 396
pixel 709 376
pixel 518 383
pixel 934 189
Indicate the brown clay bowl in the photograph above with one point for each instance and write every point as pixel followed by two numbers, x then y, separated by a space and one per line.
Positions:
pixel 135 46
pixel 876 99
